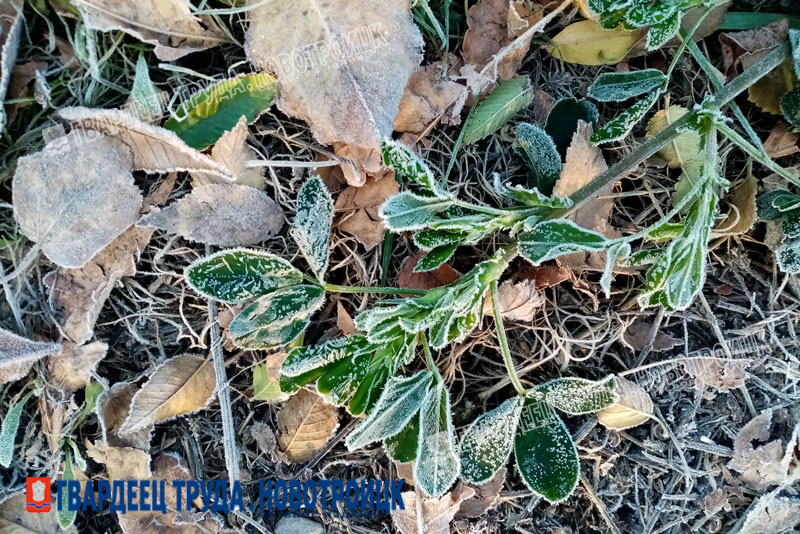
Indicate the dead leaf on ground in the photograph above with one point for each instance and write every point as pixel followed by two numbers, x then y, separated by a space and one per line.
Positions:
pixel 179 386
pixel 351 99
pixel 358 210
pixel 438 277
pixel 18 354
pixel 685 148
pixel 74 200
pixel 167 24
pixel 405 470
pixel 232 151
pixel 429 96
pixel 14 519
pixel 344 321
pixel 361 164
pixel 220 214
pixel 54 411
pixel 305 423
pixel 633 408
pixel 637 333
pixel 760 465
pixel 485 498
pixel 436 513
pixel 72 368
pixel 21 75
pixel 781 142
pixel 741 214
pixel 113 408
pixel 11 22
pixel 154 149
pixel 519 301
pixel 714 375
pixel 772 515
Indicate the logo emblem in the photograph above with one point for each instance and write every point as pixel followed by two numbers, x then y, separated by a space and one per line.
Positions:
pixel 37 494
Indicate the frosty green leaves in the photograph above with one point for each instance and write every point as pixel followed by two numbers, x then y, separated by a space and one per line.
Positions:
pixel 408 211
pixel 435 258
pixel 235 275
pixel 551 239
pixel 437 464
pixel 530 197
pixel 621 125
pixel 619 86
pixel 498 108
pixel 8 431
pixel 577 396
pixel 407 165
pixel 540 155
pixel 487 443
pixel 784 206
pixel 311 229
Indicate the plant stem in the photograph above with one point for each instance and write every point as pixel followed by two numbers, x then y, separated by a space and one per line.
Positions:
pixel 503 339
pixel 686 38
pixel 375 289
pixel 426 349
pixel 754 153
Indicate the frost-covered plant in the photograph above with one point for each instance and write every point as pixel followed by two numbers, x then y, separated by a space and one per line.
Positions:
pixel 784 206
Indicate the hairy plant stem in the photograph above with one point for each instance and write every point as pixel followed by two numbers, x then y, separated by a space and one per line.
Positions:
pixel 503 339
pixel 426 349
pixel 333 288
pixel 686 37
pixel 756 154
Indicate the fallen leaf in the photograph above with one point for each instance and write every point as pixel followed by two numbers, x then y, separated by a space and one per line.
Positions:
pixel 781 142
pixel 232 151
pixel 122 463
pixel 220 214
pixel 358 209
pixel 587 43
pixel 18 354
pixel 72 368
pixel 154 149
pixel 167 24
pixel 113 408
pixel 264 437
pixel 181 385
pixel 14 519
pixel 21 75
pixel 741 214
pixel 347 65
pixel 718 374
pixel 772 515
pixel 441 276
pixel 519 301
pixel 54 411
pixel 435 514
pixel 11 22
pixel 344 321
pixel 522 14
pixel 360 163
pixel 405 470
pixel 634 407
pixel 305 423
pixel 685 148
pixel 485 498
pixel 74 200
pixel 760 466
pixel 430 95
pixel 637 333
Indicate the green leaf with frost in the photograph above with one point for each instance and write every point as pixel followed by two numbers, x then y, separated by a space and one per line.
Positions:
pixel 498 108
pixel 794 39
pixel 437 465
pixel 205 116
pixel 773 204
pixel 577 396
pixel 790 106
pixel 550 239
pixel 789 256
pixel 235 275
pixel 619 86
pixel 643 14
pixel 408 165
pixel 8 430
pixel 303 359
pixel 311 229
pixel 614 254
pixel 66 517
pixel 488 441
pixel 621 125
pixel 435 258
pixel 266 388
pixel 402 447
pixel 660 34
pixel 407 211
pixel 530 197
pixel 540 155
pixel 144 99
pixel 545 454
pixel 276 318
pixel 430 239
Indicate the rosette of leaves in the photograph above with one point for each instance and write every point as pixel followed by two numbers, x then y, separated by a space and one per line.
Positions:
pixel 781 205
pixel 529 424
pixel 280 298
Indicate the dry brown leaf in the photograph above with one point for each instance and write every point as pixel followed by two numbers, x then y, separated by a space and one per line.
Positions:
pixel 361 163
pixel 11 22
pixel 264 437
pixel 344 321
pixel 485 498
pixel 347 98
pixel 772 515
pixel 781 142
pixel 79 294
pixel 167 24
pixel 74 200
pixel 522 14
pixel 113 408
pixel 122 463
pixel 637 333
pixel 54 411
pixel 220 214
pixel 741 214
pixel 305 423
pixel 405 470
pixel 436 513
pixel 760 466
pixel 231 150
pixel 358 209
pixel 719 374
pixel 519 301
pixel 154 149
pixel 18 354
pixel 634 407
pixel 438 277
pixel 429 96
pixel 21 75
pixel 181 385
pixel 488 32
pixel 72 368
pixel 14 519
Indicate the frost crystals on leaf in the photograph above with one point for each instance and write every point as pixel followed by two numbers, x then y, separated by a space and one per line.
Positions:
pixel 311 229
pixel 487 443
pixel 437 464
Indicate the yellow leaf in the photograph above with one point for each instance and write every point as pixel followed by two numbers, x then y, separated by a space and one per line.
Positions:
pixel 685 147
pixel 587 43
pixel 634 407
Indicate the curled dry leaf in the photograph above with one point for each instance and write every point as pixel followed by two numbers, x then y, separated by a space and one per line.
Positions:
pixel 344 321
pixel 719 374
pixel 637 334
pixel 122 463
pixel 167 24
pixel 154 149
pixel 435 515
pixel 181 385
pixel 18 354
pixel 74 200
pixel 11 21
pixel 634 407
pixel 72 368
pixel 430 95
pixel 358 207
pixel 781 142
pixel 348 97
pixel 741 214
pixel 441 276
pixel 361 163
pixel 15 519
pixel 485 497
pixel 113 408
pixel 772 515
pixel 305 423
pixel 232 151
pixel 760 466
pixel 220 214
pixel 518 301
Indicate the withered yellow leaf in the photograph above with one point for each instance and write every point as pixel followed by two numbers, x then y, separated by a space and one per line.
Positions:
pixel 685 148
pixel 634 407
pixel 14 519
pixel 179 386
pixel 113 407
pixel 587 43
pixel 305 424
pixel 232 151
